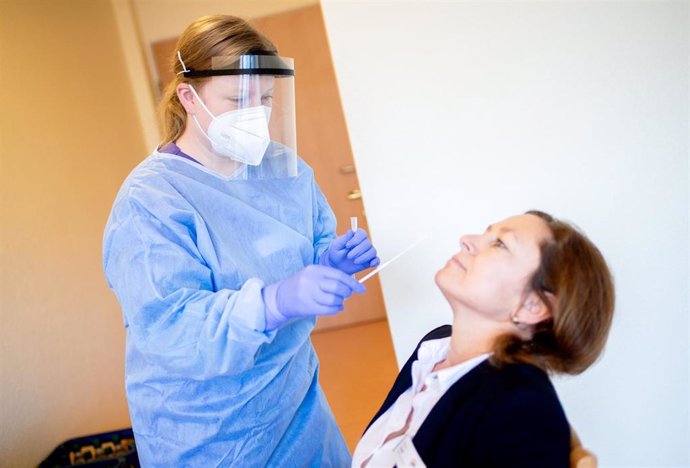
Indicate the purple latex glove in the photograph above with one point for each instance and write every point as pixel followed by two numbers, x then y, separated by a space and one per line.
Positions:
pixel 351 252
pixel 314 290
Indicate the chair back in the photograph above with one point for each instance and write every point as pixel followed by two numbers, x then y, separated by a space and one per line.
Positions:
pixel 580 457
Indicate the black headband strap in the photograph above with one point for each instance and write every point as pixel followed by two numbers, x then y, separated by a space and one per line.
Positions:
pixel 241 71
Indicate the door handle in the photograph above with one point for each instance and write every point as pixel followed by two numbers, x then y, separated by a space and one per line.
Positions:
pixel 348 169
pixel 354 194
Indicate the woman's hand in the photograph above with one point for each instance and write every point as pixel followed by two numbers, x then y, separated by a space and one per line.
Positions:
pixel 314 290
pixel 352 252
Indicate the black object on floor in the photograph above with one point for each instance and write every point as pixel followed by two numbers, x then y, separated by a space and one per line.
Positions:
pixel 105 450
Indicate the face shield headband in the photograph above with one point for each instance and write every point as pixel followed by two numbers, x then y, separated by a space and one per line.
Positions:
pixel 259 63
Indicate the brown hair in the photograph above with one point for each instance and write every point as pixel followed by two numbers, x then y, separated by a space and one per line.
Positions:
pixel 207 37
pixel 574 271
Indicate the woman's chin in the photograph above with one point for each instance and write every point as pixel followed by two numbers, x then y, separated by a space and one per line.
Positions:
pixel 445 282
pixel 439 278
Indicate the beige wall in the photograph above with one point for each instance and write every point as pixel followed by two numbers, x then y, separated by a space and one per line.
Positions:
pixel 68 136
pixel 70 131
pixel 163 19
pixel 158 20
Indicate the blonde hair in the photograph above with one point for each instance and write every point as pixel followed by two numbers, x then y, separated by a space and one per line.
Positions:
pixel 574 271
pixel 207 37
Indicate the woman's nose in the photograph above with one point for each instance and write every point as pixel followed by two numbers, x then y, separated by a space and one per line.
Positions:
pixel 468 244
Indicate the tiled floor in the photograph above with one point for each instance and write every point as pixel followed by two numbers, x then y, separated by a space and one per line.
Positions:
pixel 358 368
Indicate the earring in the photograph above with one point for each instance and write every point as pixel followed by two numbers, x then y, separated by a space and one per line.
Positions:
pixel 515 320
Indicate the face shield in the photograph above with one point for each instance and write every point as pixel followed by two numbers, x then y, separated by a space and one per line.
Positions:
pixel 256 125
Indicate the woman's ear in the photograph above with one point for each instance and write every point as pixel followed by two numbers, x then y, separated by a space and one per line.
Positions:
pixel 186 97
pixel 534 310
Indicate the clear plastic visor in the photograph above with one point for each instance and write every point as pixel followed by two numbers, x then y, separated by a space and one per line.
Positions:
pixel 261 80
pixel 252 81
pixel 242 91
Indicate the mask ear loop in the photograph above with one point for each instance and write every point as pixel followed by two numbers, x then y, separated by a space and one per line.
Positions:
pixel 205 108
pixel 201 101
pixel 184 67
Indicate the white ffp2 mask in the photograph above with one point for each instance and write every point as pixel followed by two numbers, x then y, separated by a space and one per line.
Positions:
pixel 240 134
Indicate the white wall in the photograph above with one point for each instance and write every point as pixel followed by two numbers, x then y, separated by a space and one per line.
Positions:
pixel 461 114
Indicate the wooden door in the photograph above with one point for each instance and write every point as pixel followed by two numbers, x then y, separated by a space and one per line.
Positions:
pixel 322 138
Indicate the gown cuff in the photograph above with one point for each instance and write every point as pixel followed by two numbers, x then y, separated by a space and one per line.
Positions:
pixel 272 316
pixel 252 317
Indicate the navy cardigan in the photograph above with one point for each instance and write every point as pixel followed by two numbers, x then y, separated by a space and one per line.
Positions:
pixel 509 418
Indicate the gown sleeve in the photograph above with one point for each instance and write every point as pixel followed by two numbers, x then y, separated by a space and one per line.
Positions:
pixel 174 317
pixel 324 223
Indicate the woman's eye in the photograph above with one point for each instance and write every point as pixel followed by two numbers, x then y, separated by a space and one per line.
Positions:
pixel 499 243
pixel 267 100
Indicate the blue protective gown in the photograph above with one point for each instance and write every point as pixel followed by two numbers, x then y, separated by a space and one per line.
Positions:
pixel 187 252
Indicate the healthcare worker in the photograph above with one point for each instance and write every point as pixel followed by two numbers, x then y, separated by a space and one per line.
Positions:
pixel 221 250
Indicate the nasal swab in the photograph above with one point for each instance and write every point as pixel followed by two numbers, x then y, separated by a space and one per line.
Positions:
pixel 353 223
pixel 385 264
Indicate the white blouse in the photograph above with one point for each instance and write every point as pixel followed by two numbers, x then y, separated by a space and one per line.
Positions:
pixel 388 441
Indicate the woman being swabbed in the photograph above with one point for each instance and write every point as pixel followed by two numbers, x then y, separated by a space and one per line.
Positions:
pixel 530 296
